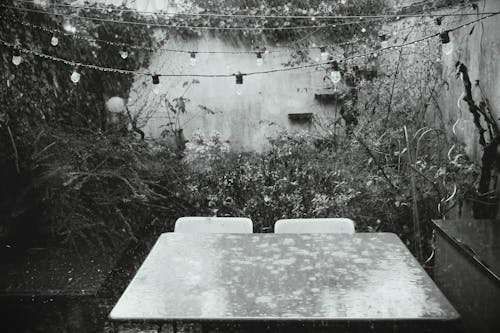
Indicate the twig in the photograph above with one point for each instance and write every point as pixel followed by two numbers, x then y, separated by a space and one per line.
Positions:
pixel 416 218
pixel 16 156
pixel 375 160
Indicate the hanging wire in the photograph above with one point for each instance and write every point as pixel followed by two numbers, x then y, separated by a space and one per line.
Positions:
pixel 116 70
pixel 121 44
pixel 153 49
pixel 163 25
pixel 164 13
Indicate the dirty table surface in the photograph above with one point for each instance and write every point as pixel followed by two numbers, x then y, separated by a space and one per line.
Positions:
pixel 281 277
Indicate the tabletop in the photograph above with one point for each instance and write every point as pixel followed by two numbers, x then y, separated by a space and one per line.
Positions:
pixel 283 277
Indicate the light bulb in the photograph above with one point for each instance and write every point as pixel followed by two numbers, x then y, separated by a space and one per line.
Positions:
pixel 124 54
pixel 239 90
pixel 156 89
pixel 54 41
pixel 447 45
pixel 75 77
pixel 42 3
pixel 343 2
pixel 17 59
pixel 69 27
pixel 192 59
pixel 323 53
pixel 336 77
pixel 363 30
pixel 384 44
pixel 260 60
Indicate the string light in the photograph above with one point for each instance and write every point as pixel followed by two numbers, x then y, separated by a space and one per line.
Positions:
pixel 130 72
pixel 287 16
pixel 239 83
pixel 16 58
pixel 192 59
pixel 323 53
pixel 156 83
pixel 54 41
pixel 335 75
pixel 447 45
pixel 363 29
pixel 93 40
pixel 75 76
pixel 67 26
pixel 383 41
pixel 124 53
pixel 260 61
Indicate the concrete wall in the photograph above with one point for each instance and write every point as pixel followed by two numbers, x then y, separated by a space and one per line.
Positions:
pixel 480 52
pixel 245 120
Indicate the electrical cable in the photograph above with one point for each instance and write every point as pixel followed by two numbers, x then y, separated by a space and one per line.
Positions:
pixel 108 69
pixel 384 16
pixel 153 49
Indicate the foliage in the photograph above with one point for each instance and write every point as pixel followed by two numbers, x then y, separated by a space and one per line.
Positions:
pixel 98 188
pixel 306 176
pixel 38 97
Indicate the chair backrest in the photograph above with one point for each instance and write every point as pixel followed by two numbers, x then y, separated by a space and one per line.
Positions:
pixel 202 224
pixel 319 225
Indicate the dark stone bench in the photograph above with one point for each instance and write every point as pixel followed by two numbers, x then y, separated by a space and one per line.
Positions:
pixel 467 270
pixel 61 289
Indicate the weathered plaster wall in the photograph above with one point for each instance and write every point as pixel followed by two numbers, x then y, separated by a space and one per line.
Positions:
pixel 480 52
pixel 245 120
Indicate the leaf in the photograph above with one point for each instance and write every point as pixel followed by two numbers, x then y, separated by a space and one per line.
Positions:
pixel 472 30
pixel 185 84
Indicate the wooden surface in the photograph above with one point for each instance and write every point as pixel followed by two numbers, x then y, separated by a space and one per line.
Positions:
pixel 281 277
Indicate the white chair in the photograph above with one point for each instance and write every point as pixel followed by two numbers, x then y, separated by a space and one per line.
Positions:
pixel 202 224
pixel 319 225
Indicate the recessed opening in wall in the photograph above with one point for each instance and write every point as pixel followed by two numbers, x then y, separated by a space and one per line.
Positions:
pixel 300 118
pixel 326 96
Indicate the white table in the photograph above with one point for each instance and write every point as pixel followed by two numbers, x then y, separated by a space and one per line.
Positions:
pixel 286 278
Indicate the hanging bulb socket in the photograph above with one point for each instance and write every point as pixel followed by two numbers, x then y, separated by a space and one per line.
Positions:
pixel 323 53
pixel 447 45
pixel 335 75
pixel 384 43
pixel 438 20
pixel 156 83
pixel 239 78
pixel 445 37
pixel 156 79
pixel 260 60
pixel 192 58
pixel 335 65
